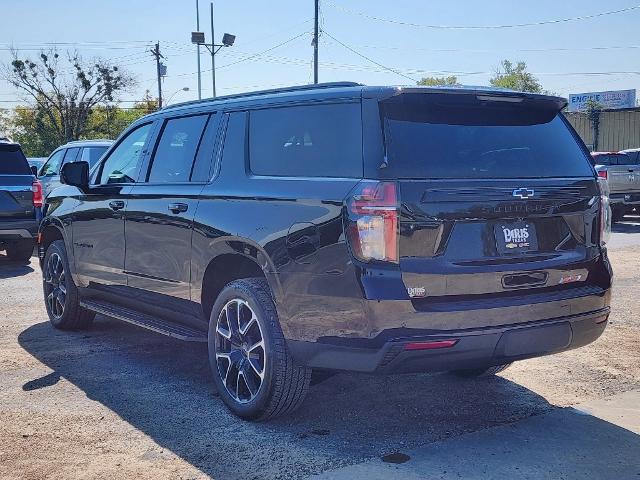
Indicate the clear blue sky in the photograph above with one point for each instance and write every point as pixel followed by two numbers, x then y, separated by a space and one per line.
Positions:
pixel 124 30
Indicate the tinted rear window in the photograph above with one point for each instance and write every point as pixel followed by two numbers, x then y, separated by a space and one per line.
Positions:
pixel 437 137
pixel 13 161
pixel 307 141
pixel 176 150
pixel 612 159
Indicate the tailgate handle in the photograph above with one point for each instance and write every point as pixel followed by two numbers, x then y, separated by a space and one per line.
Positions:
pixel 520 280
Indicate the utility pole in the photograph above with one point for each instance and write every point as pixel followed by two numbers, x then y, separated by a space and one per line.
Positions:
pixel 198 29
pixel 213 56
pixel 156 53
pixel 315 44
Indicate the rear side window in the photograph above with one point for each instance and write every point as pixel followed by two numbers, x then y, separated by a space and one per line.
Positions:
pixel 176 150
pixel 91 155
pixel 306 141
pixel 13 161
pixel 451 138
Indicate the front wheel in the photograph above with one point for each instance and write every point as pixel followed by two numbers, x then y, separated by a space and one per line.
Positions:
pixel 481 372
pixel 254 373
pixel 60 293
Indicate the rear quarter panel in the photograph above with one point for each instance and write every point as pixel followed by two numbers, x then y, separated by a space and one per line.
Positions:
pixel 293 229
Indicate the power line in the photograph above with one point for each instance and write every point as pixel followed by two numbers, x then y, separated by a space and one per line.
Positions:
pixel 244 59
pixel 255 55
pixel 367 58
pixel 473 50
pixel 480 27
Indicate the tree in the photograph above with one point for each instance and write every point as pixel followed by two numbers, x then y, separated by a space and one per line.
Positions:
pixel 66 97
pixel 108 121
pixel 31 125
pixel 515 77
pixel 593 109
pixel 32 128
pixel 451 81
pixel 5 122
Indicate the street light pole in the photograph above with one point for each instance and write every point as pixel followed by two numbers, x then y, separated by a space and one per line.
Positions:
pixel 227 41
pixel 198 29
pixel 213 57
pixel 183 89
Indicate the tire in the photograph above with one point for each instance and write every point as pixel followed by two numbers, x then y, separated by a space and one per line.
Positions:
pixel 60 293
pixel 20 251
pixel 256 383
pixel 481 372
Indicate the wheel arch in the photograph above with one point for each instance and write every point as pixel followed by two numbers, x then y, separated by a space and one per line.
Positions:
pixel 232 259
pixel 49 231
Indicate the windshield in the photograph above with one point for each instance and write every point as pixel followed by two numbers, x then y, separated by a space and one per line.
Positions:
pixel 441 138
pixel 13 161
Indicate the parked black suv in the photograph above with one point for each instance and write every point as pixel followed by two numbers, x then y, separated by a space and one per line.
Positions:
pixel 20 202
pixel 338 226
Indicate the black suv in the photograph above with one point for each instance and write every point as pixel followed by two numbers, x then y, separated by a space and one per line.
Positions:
pixel 20 202
pixel 338 227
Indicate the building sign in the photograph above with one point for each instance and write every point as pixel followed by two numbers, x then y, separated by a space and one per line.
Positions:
pixel 613 99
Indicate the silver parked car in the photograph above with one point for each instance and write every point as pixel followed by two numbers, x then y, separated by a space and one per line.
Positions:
pixel 82 150
pixel 622 173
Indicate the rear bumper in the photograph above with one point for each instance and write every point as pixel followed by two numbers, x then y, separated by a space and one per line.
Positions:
pixel 12 230
pixel 477 348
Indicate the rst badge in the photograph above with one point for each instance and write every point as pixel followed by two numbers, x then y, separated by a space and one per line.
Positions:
pixel 417 292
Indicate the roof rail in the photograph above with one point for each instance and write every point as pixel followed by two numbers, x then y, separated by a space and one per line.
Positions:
pixel 294 88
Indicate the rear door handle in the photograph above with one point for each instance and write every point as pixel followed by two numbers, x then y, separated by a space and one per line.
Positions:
pixel 178 207
pixel 116 204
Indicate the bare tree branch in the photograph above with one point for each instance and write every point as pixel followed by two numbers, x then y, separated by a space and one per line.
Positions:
pixel 67 97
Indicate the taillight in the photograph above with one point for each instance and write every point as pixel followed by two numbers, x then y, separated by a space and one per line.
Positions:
pixel 372 227
pixel 605 211
pixel 36 189
pixel 603 174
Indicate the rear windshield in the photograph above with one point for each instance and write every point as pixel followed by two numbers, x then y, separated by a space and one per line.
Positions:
pixel 613 159
pixel 13 161
pixel 458 137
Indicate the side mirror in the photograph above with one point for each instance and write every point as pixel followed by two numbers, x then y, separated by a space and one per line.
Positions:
pixel 76 174
pixel 34 170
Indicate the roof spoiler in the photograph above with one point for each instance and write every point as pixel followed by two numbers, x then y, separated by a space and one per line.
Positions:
pixel 490 95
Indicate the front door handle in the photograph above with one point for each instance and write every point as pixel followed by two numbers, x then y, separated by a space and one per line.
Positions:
pixel 116 204
pixel 178 207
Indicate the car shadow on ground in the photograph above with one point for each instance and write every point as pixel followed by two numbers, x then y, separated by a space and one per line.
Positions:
pixel 163 389
pixel 10 268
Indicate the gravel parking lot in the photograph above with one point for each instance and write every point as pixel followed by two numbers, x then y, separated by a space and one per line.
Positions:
pixel 121 402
